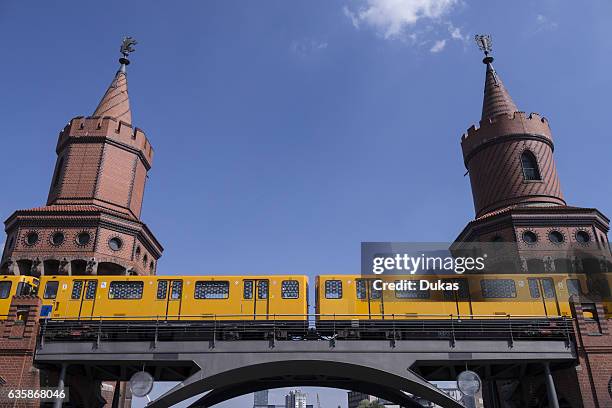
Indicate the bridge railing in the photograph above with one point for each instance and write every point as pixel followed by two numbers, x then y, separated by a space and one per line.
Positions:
pixel 294 327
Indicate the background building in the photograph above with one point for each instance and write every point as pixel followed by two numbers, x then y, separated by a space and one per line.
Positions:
pixel 260 399
pixel 295 399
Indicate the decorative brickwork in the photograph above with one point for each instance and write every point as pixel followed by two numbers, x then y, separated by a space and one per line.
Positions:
pixel 492 155
pixel 91 223
pixel 594 351
pixel 517 199
pixel 17 344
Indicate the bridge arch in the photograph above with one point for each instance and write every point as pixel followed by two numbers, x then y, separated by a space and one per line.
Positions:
pixel 224 380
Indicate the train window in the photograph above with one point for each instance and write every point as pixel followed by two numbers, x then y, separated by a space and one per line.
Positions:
pixel 125 290
pixel 248 289
pixel 498 288
pixel 411 294
pixel 262 289
pixel 333 289
pixel 77 288
pixel 162 289
pixel 534 288
pixel 374 293
pixel 361 289
pixel 463 293
pixel 177 290
pixel 23 289
pixel 290 289
pixel 211 290
pixel 90 289
pixel 549 288
pixel 5 289
pixel 51 290
pixel 573 287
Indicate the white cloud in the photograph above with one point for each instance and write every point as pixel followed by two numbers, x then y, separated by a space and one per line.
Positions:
pixel 456 34
pixel 392 18
pixel 307 46
pixel 438 46
pixel 544 23
pixel 352 16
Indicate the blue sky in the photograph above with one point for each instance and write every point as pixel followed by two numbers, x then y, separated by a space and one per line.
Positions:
pixel 288 132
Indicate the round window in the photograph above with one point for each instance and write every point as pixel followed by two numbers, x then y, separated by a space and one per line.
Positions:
pixel 583 237
pixel 115 243
pixel 530 237
pixel 83 238
pixel 555 237
pixel 57 238
pixel 31 238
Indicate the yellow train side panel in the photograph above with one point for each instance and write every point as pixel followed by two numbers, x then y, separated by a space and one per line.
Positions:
pixel 175 297
pixel 11 285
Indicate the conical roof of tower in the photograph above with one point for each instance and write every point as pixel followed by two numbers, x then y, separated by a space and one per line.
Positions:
pixel 116 102
pixel 497 100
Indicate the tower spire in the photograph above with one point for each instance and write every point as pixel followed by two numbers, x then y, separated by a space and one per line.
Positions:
pixel 496 100
pixel 116 102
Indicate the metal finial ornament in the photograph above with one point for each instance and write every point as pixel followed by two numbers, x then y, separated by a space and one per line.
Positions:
pixel 127 47
pixel 485 44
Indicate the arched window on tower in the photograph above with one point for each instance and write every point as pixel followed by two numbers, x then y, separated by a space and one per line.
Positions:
pixel 530 166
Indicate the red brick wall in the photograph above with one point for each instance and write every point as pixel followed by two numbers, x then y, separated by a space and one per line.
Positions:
pixel 492 154
pixel 17 345
pixel 81 164
pixel 138 187
pixel 594 350
pixel 116 175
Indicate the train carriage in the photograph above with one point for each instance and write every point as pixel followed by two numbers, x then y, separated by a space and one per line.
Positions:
pixel 14 285
pixel 347 302
pixel 282 297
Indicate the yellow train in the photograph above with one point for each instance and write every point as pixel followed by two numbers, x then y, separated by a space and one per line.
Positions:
pixel 350 300
pixel 490 295
pixel 342 301
pixel 282 297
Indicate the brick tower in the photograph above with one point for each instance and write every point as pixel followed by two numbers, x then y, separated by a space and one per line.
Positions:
pixel 518 201
pixel 516 189
pixel 91 222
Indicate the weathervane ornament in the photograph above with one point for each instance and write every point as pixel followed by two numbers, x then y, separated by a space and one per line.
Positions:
pixel 485 44
pixel 127 47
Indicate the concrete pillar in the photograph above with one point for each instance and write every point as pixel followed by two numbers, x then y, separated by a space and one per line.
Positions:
pixel 60 385
pixel 553 402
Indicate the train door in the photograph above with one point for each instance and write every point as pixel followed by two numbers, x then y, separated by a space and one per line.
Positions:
pixel 88 300
pixel 362 306
pixel 73 304
pixel 464 300
pixel 256 298
pixel 174 299
pixel 544 290
pixel 82 298
pixel 262 299
pixel 461 297
pixel 376 304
